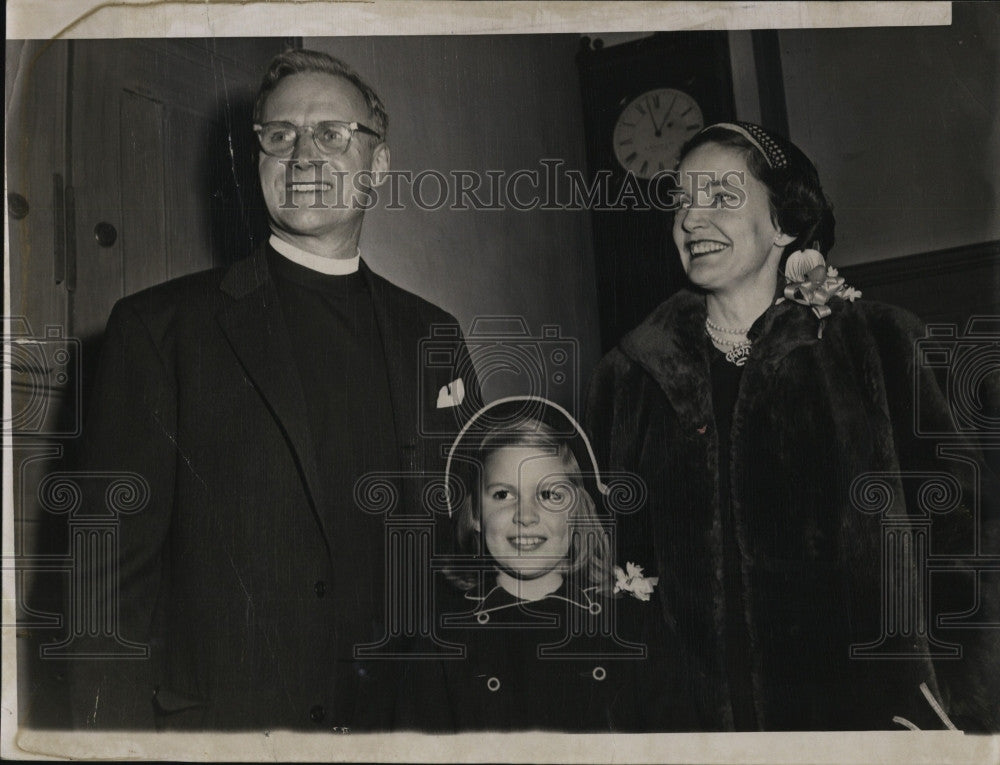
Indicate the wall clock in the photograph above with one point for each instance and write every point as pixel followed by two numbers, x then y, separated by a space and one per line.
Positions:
pixel 652 129
pixel 673 83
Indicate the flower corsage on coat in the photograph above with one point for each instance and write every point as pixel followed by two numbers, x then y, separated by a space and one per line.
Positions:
pixel 811 282
pixel 632 581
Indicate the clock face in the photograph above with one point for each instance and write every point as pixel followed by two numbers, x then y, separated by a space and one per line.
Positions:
pixel 652 129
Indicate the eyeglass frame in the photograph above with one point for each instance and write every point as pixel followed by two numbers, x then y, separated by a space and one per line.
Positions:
pixel 354 127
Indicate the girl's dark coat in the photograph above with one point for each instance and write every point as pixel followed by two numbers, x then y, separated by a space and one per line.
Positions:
pixel 526 667
pixel 812 416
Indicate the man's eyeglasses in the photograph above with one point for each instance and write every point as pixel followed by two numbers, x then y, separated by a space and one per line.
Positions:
pixel 331 137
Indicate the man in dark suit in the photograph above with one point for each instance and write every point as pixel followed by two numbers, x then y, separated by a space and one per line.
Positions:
pixel 251 401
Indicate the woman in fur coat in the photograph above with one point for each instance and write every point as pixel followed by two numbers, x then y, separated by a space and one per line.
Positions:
pixel 792 513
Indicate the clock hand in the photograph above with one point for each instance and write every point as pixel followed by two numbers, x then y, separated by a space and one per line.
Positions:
pixel 666 114
pixel 652 120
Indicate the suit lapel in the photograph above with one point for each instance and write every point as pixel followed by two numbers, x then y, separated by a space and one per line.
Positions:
pixel 400 345
pixel 256 330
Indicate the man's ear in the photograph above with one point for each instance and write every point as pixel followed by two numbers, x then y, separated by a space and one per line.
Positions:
pixel 380 164
pixel 783 239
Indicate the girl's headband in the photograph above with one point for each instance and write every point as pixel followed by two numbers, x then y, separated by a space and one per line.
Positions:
pixel 763 141
pixel 544 403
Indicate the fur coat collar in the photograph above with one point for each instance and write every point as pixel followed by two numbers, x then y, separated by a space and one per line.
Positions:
pixel 671 346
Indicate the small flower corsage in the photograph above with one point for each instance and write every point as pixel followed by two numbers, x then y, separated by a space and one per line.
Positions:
pixel 811 282
pixel 631 580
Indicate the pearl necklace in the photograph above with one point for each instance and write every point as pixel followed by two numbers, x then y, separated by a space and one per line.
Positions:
pixel 712 325
pixel 739 348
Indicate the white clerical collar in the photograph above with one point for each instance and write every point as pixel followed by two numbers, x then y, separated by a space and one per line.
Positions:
pixel 330 266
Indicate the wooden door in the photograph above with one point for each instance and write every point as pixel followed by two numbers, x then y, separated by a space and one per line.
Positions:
pixel 129 162
pixel 36 175
pixel 36 247
pixel 161 147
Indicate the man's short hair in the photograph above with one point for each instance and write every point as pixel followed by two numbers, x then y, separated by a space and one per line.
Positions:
pixel 298 61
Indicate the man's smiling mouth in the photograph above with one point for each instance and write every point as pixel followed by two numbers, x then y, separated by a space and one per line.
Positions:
pixel 309 186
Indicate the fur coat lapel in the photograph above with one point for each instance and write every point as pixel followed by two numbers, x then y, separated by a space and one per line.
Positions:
pixel 672 347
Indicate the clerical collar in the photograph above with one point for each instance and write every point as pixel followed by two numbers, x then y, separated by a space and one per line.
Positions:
pixel 329 266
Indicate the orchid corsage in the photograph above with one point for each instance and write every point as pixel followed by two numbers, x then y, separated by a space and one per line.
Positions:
pixel 631 580
pixel 811 282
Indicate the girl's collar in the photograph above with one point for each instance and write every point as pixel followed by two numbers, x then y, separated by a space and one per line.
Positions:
pixel 531 589
pixel 499 599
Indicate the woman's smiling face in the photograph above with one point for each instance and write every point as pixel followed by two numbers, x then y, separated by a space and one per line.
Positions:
pixel 724 230
pixel 524 510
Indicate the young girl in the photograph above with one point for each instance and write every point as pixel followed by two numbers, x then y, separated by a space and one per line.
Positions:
pixel 554 632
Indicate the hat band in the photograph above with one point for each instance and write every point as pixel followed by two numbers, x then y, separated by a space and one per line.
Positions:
pixel 768 147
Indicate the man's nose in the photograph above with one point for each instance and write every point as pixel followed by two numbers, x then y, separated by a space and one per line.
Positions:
pixel 305 148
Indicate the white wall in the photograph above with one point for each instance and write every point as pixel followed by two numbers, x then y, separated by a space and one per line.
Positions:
pixel 904 127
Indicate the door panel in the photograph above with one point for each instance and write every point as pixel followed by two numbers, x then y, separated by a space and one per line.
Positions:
pixel 141 183
pixel 36 172
pixel 161 151
pixel 152 138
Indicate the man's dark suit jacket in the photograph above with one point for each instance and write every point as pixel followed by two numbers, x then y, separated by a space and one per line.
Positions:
pixel 223 573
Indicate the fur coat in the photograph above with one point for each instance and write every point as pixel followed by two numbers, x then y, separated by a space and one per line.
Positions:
pixel 812 415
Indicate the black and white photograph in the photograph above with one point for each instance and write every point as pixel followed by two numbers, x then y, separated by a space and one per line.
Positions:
pixel 502 382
